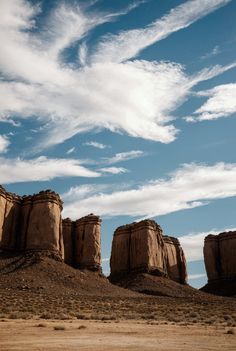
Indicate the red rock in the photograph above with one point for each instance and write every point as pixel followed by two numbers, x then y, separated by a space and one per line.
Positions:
pixel 141 247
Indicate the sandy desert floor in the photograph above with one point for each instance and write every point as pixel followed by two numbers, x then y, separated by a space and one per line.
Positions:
pixel 35 335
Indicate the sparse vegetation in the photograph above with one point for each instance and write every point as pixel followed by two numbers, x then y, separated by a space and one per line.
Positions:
pixel 59 327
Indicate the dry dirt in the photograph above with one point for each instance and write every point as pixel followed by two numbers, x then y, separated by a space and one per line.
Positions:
pixel 40 290
pixel 86 335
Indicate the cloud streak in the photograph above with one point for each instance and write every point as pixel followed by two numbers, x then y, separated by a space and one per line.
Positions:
pixel 190 186
pixel 96 145
pixel 135 97
pixel 41 169
pixel 123 156
pixel 128 44
pixel 221 102
pixel 4 144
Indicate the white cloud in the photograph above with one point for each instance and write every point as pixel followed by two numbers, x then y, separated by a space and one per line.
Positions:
pixel 41 169
pixel 193 243
pixel 190 186
pixel 128 44
pixel 196 276
pixel 70 151
pixel 214 52
pixel 4 143
pixel 113 170
pixel 221 102
pixel 123 156
pixel 136 97
pixel 96 145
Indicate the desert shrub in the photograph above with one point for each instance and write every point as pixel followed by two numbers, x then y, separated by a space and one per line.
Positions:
pixel 226 317
pixel 41 325
pixel 230 331
pixel 59 327
pixel 82 327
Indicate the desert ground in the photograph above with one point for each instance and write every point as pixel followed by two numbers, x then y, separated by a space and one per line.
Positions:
pixel 47 305
pixel 68 335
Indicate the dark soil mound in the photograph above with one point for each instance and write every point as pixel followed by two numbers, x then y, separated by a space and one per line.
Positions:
pixel 35 271
pixel 158 286
pixel 39 285
pixel 221 288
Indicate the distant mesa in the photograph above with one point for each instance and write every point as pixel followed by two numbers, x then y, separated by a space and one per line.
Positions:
pixel 34 223
pixel 142 248
pixel 220 262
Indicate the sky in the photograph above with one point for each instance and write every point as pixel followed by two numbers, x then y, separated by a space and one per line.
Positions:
pixel 126 109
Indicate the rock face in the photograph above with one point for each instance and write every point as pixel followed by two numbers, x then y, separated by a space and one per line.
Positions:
pixel 175 260
pixel 141 247
pixel 219 256
pixel 44 230
pixel 10 205
pixel 33 223
pixel 68 238
pixel 82 242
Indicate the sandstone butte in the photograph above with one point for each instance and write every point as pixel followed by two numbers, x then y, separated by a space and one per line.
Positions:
pixel 142 248
pixel 34 223
pixel 219 256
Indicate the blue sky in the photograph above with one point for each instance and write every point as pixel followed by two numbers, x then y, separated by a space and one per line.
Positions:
pixel 126 109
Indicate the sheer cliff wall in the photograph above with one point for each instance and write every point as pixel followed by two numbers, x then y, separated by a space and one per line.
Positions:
pixel 219 256
pixel 141 247
pixel 31 222
pixel 82 242
pixel 34 223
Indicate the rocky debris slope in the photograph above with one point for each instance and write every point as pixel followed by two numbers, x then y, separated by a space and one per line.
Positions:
pixel 142 248
pixel 220 261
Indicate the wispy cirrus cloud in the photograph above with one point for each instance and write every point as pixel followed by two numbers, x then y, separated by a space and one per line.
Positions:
pixel 221 102
pixel 128 44
pixel 96 145
pixel 113 170
pixel 214 52
pixel 4 143
pixel 134 97
pixel 70 151
pixel 41 169
pixel 189 186
pixel 123 156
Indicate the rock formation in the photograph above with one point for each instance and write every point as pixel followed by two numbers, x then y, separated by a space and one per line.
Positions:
pixel 82 242
pixel 10 205
pixel 33 223
pixel 88 242
pixel 219 256
pixel 68 237
pixel 141 247
pixel 175 260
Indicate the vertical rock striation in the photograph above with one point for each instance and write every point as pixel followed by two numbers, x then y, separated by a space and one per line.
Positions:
pixel 82 242
pixel 68 228
pixel 34 223
pixel 9 220
pixel 141 247
pixel 88 243
pixel 31 222
pixel 44 229
pixel 175 260
pixel 219 256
